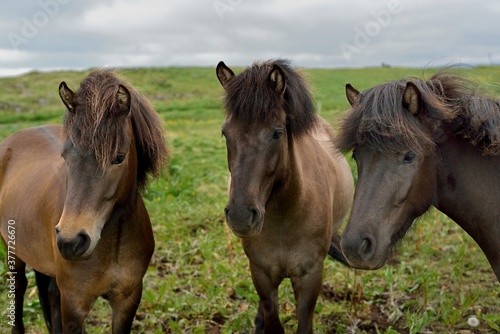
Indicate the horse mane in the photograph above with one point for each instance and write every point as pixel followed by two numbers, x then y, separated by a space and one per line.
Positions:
pixel 449 101
pixel 477 116
pixel 251 99
pixel 96 126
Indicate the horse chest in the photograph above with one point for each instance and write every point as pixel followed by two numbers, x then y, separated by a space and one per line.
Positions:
pixel 282 255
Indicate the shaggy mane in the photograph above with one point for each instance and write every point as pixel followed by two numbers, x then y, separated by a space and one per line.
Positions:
pixel 379 119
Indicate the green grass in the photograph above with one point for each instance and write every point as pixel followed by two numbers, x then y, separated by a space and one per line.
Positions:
pixel 199 281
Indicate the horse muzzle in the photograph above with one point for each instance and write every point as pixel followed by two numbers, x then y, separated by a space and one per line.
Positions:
pixel 74 247
pixel 244 221
pixel 363 251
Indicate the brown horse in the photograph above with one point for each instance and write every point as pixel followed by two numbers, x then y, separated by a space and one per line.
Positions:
pixel 71 197
pixel 290 188
pixel 419 144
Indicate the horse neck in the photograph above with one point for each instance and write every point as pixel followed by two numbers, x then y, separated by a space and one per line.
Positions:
pixel 127 221
pixel 122 221
pixel 468 192
pixel 290 179
pixel 127 233
pixel 300 167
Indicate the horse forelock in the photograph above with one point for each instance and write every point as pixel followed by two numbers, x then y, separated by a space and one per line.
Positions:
pixel 92 125
pixel 380 121
pixel 250 98
pixel 97 126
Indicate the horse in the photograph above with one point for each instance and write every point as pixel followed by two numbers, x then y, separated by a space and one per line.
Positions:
pixel 71 205
pixel 289 190
pixel 419 144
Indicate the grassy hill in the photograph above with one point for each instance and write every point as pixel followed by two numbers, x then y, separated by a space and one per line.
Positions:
pixel 199 280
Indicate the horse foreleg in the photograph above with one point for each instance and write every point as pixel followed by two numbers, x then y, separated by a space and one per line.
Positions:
pixel 55 306
pixel 18 279
pixel 306 290
pixel 267 320
pixel 42 282
pixel 50 300
pixel 74 310
pixel 124 306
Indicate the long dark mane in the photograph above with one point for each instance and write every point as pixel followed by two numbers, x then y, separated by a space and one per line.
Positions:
pixel 95 125
pixel 251 99
pixel 449 103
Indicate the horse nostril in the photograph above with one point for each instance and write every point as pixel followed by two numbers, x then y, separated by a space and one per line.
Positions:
pixel 84 242
pixel 255 215
pixel 57 229
pixel 367 249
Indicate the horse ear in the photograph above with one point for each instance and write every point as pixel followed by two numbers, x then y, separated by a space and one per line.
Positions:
pixel 123 98
pixel 224 73
pixel 411 98
pixel 277 78
pixel 67 96
pixel 352 94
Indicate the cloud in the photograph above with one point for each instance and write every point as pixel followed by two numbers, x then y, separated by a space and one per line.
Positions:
pixel 315 33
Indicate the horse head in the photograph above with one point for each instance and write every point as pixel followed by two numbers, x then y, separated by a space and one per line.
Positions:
pixel 396 172
pixel 255 146
pixel 101 161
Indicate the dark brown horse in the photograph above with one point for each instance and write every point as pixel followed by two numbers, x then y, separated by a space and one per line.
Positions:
pixel 419 144
pixel 290 188
pixel 72 196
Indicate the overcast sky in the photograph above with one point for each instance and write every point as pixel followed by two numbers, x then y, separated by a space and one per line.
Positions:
pixel 62 34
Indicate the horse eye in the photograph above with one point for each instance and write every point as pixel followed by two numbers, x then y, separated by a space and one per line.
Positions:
pixel 409 157
pixel 277 134
pixel 118 159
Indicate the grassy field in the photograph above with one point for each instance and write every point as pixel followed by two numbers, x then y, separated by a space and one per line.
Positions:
pixel 199 281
